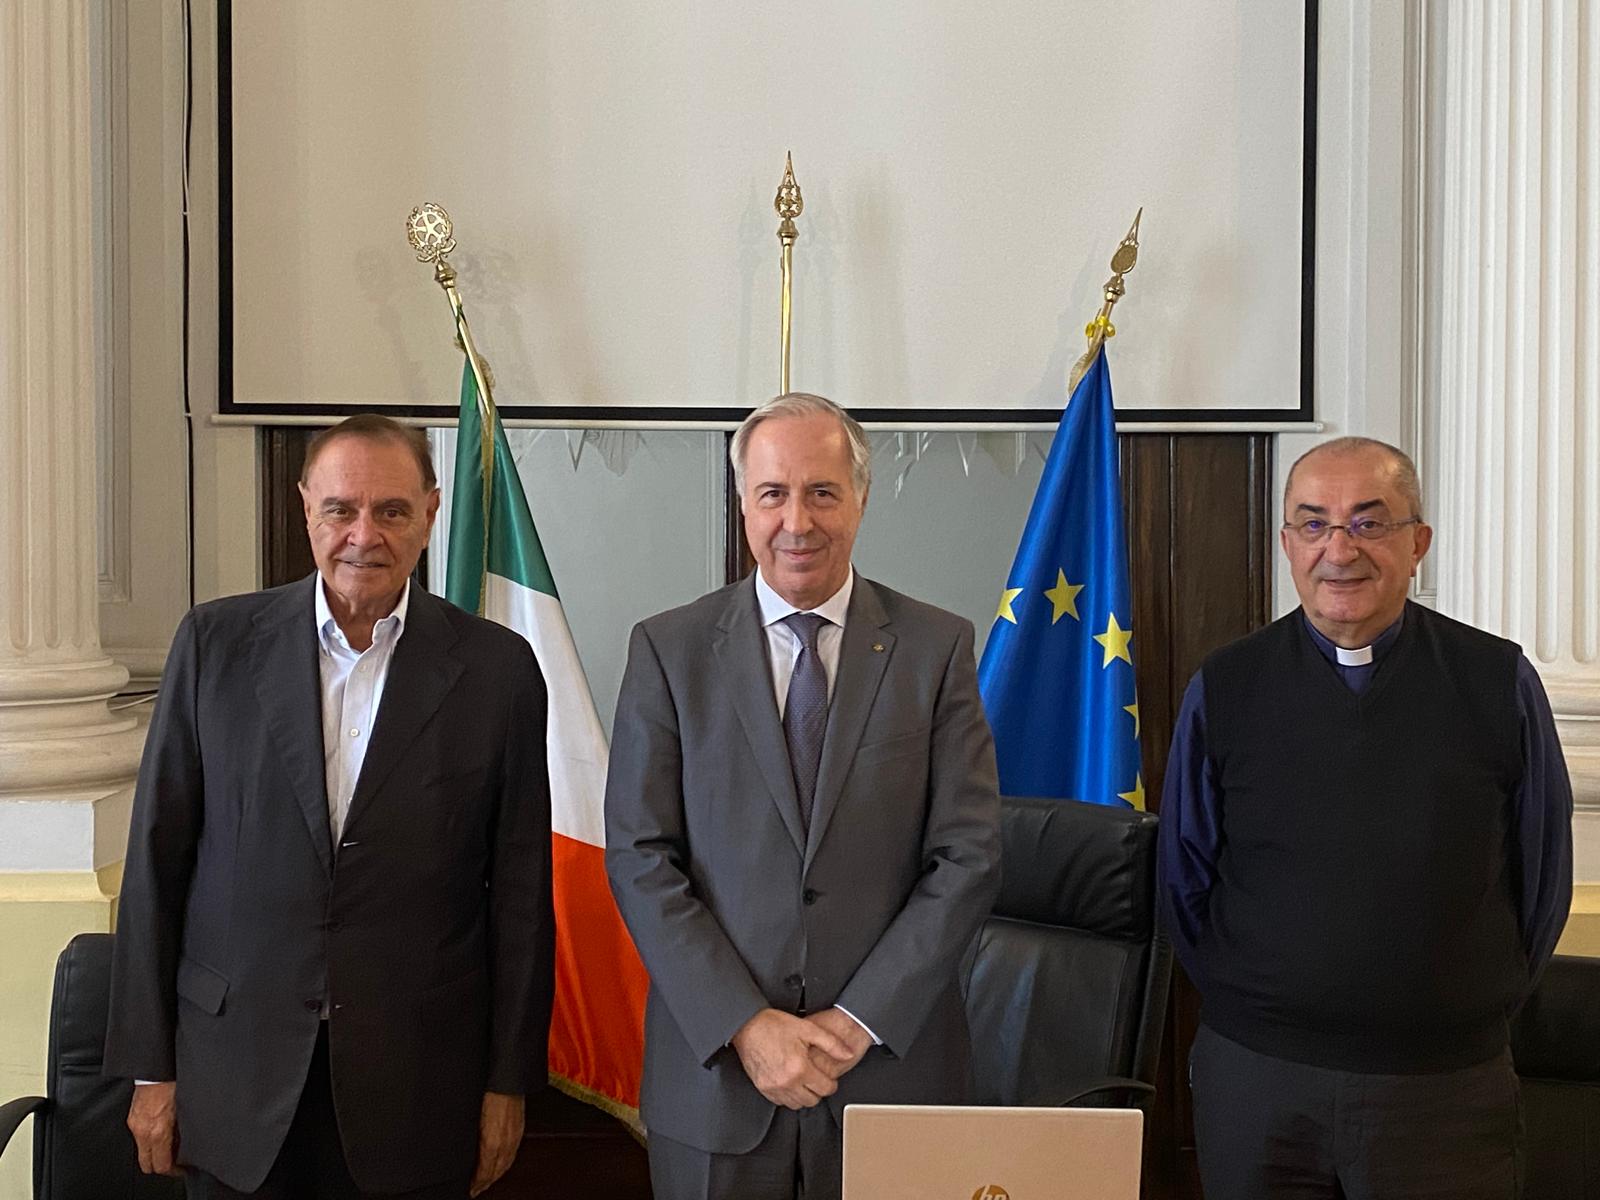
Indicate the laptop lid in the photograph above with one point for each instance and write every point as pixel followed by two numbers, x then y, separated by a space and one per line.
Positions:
pixel 933 1152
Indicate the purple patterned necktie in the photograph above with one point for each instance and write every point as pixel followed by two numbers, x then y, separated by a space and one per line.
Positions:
pixel 805 711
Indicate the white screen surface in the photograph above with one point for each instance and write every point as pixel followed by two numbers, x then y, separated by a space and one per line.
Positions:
pixel 967 172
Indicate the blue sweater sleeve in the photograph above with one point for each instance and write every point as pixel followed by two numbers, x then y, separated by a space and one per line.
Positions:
pixel 1541 824
pixel 1191 833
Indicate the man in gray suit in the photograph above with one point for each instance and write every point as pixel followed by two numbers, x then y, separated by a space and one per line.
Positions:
pixel 801 833
pixel 334 956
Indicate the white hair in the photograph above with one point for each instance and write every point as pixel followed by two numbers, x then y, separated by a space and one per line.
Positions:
pixel 805 404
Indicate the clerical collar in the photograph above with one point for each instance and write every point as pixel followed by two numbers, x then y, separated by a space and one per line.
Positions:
pixel 1362 657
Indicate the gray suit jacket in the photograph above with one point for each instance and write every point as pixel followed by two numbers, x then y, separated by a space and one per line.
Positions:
pixel 428 930
pixel 735 907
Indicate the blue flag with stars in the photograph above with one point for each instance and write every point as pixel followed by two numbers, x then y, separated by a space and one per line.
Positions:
pixel 1057 671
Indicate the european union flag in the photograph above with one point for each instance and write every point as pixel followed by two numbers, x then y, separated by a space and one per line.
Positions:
pixel 1057 672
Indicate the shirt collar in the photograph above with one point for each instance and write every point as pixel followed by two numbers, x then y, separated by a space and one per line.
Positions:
pixel 328 632
pixel 775 608
pixel 1379 647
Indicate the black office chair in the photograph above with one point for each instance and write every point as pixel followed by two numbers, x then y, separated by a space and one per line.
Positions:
pixel 1067 989
pixel 1555 1041
pixel 82 1149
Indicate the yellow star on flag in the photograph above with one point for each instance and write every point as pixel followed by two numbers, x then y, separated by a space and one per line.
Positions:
pixel 1115 639
pixel 1133 711
pixel 1007 595
pixel 1135 797
pixel 1064 597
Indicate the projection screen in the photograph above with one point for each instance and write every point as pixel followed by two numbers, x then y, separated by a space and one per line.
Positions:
pixel 967 172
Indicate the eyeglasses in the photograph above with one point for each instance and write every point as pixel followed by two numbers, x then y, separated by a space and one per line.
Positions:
pixel 1368 529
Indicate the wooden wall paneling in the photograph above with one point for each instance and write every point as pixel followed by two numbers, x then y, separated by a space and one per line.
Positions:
pixel 1219 519
pixel 285 552
pixel 1146 486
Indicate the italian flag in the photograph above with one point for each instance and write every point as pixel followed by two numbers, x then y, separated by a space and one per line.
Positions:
pixel 497 568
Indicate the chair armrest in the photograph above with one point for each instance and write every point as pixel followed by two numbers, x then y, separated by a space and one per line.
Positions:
pixel 12 1114
pixel 1110 1083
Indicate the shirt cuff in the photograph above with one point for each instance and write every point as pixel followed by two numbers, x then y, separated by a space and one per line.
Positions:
pixel 876 1040
pixel 150 1082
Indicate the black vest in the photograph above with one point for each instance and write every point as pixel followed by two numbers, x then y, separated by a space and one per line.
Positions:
pixel 1364 915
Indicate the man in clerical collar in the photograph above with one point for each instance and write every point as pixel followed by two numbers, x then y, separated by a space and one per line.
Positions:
pixel 1366 860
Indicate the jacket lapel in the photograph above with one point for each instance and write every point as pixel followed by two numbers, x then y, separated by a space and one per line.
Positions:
pixel 741 650
pixel 864 655
pixel 421 674
pixel 283 655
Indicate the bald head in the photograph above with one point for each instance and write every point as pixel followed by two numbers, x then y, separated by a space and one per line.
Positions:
pixel 1402 472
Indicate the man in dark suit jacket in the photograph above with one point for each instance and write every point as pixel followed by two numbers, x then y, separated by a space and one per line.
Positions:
pixel 801 833
pixel 333 969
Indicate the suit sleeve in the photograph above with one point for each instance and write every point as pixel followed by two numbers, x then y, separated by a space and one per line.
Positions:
pixel 521 914
pixel 896 986
pixel 168 810
pixel 694 967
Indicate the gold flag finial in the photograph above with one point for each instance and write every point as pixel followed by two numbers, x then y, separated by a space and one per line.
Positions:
pixel 430 232
pixel 788 202
pixel 1123 260
pixel 432 236
pixel 789 205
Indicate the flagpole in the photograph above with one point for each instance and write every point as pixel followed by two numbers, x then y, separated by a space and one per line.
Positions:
pixel 432 235
pixel 789 205
pixel 1101 328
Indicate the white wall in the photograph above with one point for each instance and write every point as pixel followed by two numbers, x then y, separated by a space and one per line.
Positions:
pixel 147 527
pixel 1369 95
pixel 1366 275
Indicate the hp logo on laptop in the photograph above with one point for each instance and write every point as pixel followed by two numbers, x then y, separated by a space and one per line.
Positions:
pixel 991 1191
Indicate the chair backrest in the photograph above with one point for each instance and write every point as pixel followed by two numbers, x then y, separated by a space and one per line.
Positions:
pixel 1555 1040
pixel 1068 978
pixel 81 1143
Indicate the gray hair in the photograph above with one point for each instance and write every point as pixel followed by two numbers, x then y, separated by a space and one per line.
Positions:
pixel 374 427
pixel 1405 471
pixel 804 404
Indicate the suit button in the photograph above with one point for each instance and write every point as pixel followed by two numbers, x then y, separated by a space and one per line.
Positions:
pixel 809 896
pixel 795 981
pixel 313 1005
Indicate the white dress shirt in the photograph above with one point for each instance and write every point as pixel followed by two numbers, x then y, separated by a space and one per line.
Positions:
pixel 352 688
pixel 783 648
pixel 783 644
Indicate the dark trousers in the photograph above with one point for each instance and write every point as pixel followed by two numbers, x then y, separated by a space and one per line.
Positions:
pixel 801 1157
pixel 1268 1128
pixel 311 1164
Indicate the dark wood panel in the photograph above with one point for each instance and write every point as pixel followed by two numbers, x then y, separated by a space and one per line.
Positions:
pixel 285 552
pixel 1199 533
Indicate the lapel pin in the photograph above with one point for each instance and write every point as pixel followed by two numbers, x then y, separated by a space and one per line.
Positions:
pixel 877 647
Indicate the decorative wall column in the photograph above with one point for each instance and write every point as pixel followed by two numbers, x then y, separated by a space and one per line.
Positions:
pixel 66 760
pixel 1512 382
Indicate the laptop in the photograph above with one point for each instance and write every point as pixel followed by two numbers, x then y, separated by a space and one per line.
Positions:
pixel 932 1152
